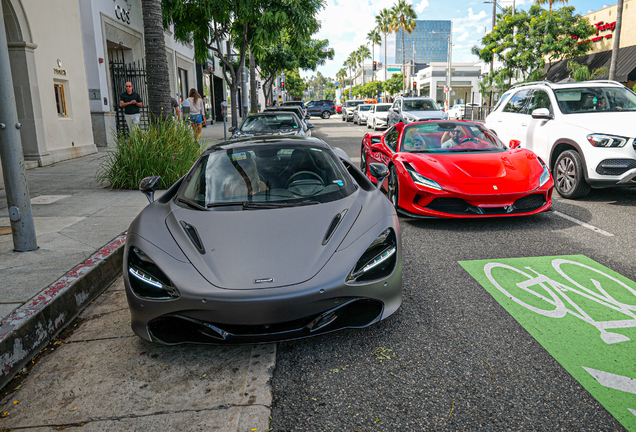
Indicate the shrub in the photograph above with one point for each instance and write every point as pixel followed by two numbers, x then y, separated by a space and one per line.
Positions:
pixel 167 149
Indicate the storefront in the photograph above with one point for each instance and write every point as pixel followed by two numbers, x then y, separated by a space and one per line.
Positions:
pixel 600 54
pixel 112 32
pixel 432 80
pixel 49 80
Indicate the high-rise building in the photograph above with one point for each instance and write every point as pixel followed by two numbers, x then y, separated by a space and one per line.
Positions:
pixel 422 45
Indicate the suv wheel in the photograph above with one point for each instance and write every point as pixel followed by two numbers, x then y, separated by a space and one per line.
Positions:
pixel 569 180
pixel 326 115
pixel 363 161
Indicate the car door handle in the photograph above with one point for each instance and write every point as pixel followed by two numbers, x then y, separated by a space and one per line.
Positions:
pixel 524 124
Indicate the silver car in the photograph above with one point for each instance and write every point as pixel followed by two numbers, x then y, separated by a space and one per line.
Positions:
pixel 272 123
pixel 411 109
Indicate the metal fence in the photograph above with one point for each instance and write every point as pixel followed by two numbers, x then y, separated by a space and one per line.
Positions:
pixel 120 73
pixel 476 113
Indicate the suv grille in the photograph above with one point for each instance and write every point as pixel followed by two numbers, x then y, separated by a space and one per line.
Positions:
pixel 615 166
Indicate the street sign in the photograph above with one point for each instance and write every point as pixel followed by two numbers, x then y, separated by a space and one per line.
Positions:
pixel 394 69
pixel 445 89
pixel 380 65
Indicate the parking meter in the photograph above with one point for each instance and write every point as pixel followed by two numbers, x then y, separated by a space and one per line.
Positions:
pixel 185 108
pixel 224 114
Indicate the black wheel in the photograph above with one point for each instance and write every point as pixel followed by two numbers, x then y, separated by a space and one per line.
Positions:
pixel 375 127
pixel 354 120
pixel 363 161
pixel 344 117
pixel 393 189
pixel 326 115
pixel 569 180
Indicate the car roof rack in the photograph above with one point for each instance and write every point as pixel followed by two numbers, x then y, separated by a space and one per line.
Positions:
pixel 545 83
pixel 604 81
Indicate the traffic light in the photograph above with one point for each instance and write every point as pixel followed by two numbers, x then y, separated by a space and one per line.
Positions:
pixel 375 65
pixel 415 87
pixel 282 85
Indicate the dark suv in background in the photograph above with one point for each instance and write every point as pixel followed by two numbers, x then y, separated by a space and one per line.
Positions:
pixel 321 108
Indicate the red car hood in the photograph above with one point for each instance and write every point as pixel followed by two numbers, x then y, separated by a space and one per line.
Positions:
pixel 511 171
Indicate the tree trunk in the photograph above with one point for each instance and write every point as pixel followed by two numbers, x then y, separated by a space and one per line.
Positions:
pixel 385 65
pixel 403 65
pixel 157 74
pixel 253 94
pixel 373 60
pixel 617 40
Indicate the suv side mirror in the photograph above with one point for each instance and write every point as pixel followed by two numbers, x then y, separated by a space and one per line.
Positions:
pixel 542 113
pixel 149 185
pixel 231 129
pixel 514 144
pixel 379 171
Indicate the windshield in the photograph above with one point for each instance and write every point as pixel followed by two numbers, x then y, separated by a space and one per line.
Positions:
pixel 419 105
pixel 382 108
pixel 595 99
pixel 275 122
pixel 354 103
pixel 278 174
pixel 449 137
pixel 365 107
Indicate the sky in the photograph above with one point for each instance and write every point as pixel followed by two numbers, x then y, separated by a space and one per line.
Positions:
pixel 346 24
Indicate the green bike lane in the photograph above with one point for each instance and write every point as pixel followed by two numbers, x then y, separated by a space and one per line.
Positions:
pixel 581 312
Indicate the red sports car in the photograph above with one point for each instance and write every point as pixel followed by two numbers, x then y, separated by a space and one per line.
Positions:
pixel 457 169
pixel 338 108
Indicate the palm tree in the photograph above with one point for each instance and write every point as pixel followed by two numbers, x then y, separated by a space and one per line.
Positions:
pixel 374 37
pixel 156 61
pixel 550 2
pixel 383 24
pixel 617 40
pixel 403 18
pixel 363 54
pixel 349 63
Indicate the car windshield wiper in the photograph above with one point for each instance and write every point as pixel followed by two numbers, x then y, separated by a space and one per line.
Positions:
pixel 191 204
pixel 265 204
pixel 225 204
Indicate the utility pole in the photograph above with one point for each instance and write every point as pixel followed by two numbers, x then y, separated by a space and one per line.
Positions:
pixel 450 65
pixel 13 168
pixel 492 64
pixel 617 40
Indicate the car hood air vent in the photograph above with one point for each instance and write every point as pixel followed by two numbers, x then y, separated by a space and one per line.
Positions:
pixel 194 236
pixel 333 226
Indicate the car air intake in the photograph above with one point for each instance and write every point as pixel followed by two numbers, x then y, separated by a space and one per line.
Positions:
pixel 194 236
pixel 530 202
pixel 333 226
pixel 615 166
pixel 448 205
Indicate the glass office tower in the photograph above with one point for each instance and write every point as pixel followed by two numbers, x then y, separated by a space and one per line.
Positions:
pixel 421 45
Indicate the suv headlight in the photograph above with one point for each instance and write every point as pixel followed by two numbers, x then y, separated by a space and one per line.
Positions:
pixel 423 181
pixel 378 261
pixel 545 176
pixel 146 280
pixel 601 140
pixel 409 119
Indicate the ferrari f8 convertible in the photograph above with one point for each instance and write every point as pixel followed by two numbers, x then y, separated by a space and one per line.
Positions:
pixel 264 239
pixel 457 169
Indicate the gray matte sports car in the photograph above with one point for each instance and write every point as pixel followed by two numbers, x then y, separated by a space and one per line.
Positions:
pixel 265 239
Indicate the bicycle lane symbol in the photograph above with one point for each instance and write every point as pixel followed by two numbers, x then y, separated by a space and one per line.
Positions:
pixel 581 312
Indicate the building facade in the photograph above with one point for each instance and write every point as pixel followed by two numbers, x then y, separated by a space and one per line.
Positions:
pixel 431 81
pixel 426 44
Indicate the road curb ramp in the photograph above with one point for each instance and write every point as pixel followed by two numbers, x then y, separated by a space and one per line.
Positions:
pixel 34 324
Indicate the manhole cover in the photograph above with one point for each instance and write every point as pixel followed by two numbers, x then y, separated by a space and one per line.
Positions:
pixel 5 230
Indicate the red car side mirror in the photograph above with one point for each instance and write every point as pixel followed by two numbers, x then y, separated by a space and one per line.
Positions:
pixel 514 144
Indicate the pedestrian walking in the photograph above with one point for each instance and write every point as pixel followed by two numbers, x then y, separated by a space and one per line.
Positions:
pixel 131 103
pixel 175 107
pixel 197 112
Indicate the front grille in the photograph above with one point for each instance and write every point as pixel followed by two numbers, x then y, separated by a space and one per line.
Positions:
pixel 448 205
pixel 530 202
pixel 615 167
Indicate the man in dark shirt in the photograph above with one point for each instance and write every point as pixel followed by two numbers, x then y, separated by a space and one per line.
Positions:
pixel 130 102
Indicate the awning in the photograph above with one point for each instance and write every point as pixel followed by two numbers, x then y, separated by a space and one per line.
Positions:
pixel 625 67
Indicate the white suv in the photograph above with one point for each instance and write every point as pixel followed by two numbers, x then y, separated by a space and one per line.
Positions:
pixel 585 131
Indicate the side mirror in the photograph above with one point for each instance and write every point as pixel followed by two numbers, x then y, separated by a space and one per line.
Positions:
pixel 514 144
pixel 149 185
pixel 542 113
pixel 310 125
pixel 231 129
pixel 307 117
pixel 380 172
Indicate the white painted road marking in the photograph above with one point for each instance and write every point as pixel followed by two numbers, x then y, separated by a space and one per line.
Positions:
pixel 583 224
pixel 633 411
pixel 361 130
pixel 613 381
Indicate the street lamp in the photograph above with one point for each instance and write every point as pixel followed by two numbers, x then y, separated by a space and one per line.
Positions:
pixel 500 8
pixel 448 38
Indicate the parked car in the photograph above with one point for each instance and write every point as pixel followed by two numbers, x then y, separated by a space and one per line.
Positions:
pixel 321 108
pixel 348 107
pixel 304 117
pixel 377 116
pixel 338 108
pixel 458 111
pixel 411 109
pixel 584 131
pixel 300 104
pixel 271 123
pixel 360 114
pixel 263 240
pixel 457 169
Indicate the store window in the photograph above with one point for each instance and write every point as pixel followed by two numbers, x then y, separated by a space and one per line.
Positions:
pixel 183 84
pixel 60 100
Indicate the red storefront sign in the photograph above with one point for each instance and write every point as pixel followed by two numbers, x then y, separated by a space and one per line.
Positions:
pixel 600 27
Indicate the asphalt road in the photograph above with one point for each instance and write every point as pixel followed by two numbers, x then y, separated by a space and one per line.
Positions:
pixel 457 359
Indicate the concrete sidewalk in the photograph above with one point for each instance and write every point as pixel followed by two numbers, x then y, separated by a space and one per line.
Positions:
pixel 80 227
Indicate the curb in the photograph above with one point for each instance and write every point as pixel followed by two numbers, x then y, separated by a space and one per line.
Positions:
pixel 34 324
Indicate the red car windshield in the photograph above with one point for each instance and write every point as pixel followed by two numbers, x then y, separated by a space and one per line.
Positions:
pixel 449 137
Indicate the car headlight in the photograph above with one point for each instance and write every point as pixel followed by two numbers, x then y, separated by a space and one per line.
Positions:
pixel 545 176
pixel 423 181
pixel 378 261
pixel 363 117
pixel 409 119
pixel 601 140
pixel 146 280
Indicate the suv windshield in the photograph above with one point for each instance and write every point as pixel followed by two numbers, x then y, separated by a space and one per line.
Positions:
pixel 277 122
pixel 269 175
pixel 419 105
pixel 365 107
pixel 595 99
pixel 354 103
pixel 382 108
pixel 449 137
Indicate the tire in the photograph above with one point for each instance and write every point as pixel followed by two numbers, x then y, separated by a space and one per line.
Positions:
pixel 344 117
pixel 375 127
pixel 393 187
pixel 569 180
pixel 354 120
pixel 326 115
pixel 363 161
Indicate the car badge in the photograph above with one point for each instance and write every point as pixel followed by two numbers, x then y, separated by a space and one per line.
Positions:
pixel 494 187
pixel 264 280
